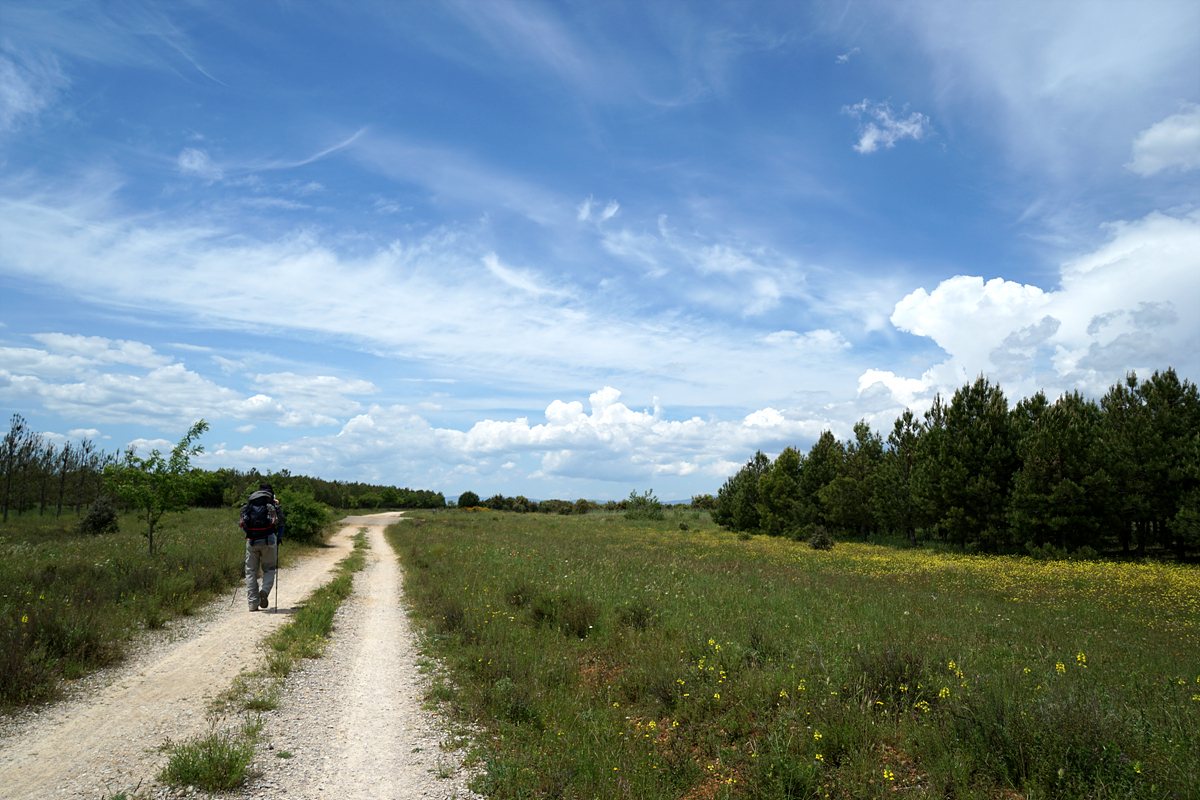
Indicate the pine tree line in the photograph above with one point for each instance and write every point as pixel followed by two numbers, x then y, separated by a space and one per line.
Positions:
pixel 1074 475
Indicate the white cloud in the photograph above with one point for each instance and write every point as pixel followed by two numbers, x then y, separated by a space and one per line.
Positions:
pixel 27 88
pixel 98 350
pixel 525 280
pixel 197 162
pixel 844 57
pixel 822 340
pixel 886 128
pixel 1129 305
pixel 1172 143
pixel 608 442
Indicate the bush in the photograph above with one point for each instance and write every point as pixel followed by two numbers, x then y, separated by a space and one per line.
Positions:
pixel 644 506
pixel 306 518
pixel 468 500
pixel 820 539
pixel 704 502
pixel 100 518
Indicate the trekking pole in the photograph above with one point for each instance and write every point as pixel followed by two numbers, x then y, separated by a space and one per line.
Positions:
pixel 276 611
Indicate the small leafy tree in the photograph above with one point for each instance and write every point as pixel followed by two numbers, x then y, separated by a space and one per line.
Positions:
pixel 643 506
pixel 155 485
pixel 468 500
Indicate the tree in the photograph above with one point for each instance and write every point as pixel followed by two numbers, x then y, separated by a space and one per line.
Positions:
pixel 819 469
pixel 468 499
pixel 17 450
pixel 968 464
pixel 847 498
pixel 895 500
pixel 737 500
pixel 780 502
pixel 1058 494
pixel 155 485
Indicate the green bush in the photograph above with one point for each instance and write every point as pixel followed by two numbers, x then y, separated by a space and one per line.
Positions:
pixel 643 506
pixel 307 519
pixel 100 518
pixel 820 538
pixel 468 500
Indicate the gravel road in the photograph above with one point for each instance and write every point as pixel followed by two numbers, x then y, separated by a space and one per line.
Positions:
pixel 352 723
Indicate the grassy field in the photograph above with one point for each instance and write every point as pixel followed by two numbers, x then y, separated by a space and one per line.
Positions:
pixel 70 602
pixel 609 658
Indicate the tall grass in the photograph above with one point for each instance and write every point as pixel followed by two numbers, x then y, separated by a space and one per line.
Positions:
pixel 70 602
pixel 611 658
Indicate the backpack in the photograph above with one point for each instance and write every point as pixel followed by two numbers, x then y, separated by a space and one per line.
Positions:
pixel 259 516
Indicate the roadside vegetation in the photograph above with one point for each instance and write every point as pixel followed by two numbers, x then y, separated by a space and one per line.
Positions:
pixel 610 657
pixel 71 601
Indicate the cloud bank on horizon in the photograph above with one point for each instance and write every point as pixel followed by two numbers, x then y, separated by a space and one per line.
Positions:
pixel 562 251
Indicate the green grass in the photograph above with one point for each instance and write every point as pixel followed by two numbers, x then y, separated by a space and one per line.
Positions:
pixel 612 658
pixel 69 603
pixel 217 761
pixel 306 635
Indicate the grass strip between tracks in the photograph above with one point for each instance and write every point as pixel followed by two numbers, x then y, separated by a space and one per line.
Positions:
pixel 221 759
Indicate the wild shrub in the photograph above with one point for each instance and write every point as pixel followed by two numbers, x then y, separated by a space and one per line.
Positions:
pixel 1067 738
pixel 577 615
pixel 307 519
pixel 514 704
pixel 820 539
pixel 896 675
pixel 644 506
pixel 520 593
pixel 101 517
pixel 638 614
pixel 468 500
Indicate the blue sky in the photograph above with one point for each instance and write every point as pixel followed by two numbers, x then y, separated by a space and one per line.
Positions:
pixel 578 249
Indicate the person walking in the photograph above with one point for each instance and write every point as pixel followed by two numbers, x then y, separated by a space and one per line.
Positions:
pixel 262 520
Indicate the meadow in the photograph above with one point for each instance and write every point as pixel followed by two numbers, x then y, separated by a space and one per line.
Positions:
pixel 603 658
pixel 71 602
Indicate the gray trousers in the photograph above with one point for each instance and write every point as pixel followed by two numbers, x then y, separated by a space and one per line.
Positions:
pixel 260 554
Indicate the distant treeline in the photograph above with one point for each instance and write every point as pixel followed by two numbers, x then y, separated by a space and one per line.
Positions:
pixel 523 505
pixel 229 487
pixel 1040 477
pixel 37 475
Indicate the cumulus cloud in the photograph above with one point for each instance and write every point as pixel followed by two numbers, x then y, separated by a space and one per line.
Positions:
pixel 885 127
pixel 1173 143
pixel 605 440
pixel 1129 305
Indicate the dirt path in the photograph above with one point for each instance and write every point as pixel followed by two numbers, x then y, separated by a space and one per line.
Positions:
pixel 352 722
pixel 106 741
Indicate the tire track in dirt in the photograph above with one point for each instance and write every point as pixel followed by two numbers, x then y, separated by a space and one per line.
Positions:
pixel 105 742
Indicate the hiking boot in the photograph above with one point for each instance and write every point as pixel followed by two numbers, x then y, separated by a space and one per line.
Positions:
pixel 262 600
pixel 254 608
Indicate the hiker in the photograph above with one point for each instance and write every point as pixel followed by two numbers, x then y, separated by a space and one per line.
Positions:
pixel 262 520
